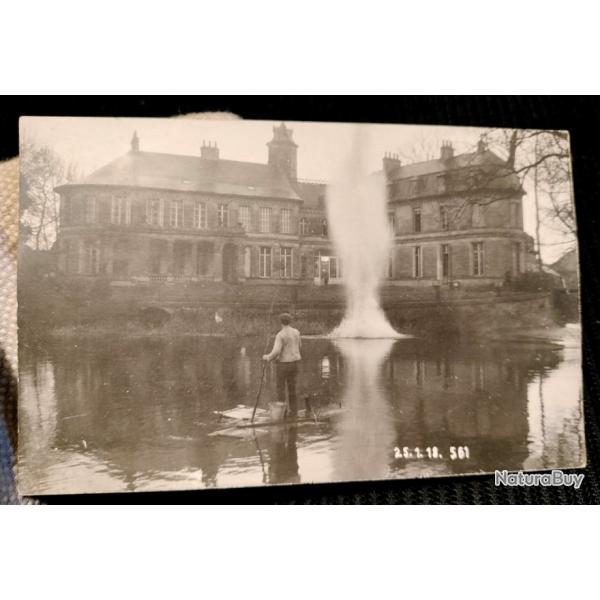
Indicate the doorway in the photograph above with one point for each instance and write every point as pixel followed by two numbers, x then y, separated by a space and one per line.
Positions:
pixel 230 258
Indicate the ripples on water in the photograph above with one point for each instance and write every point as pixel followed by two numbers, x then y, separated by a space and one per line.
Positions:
pixel 117 415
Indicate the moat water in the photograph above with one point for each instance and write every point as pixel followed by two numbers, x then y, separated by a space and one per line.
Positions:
pixel 136 414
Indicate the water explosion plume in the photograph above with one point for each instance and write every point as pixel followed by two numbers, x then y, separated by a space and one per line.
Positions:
pixel 356 207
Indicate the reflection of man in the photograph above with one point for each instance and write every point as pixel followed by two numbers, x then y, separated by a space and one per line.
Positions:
pixel 286 350
pixel 283 455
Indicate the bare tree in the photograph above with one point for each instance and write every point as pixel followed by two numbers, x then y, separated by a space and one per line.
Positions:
pixel 545 156
pixel 41 171
pixel 540 158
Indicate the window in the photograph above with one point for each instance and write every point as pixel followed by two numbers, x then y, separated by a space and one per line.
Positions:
pixel 417 262
pixel 303 226
pixel 477 215
pixel 392 222
pixel 417 219
pixel 326 266
pixel 200 220
pixel 446 265
pixel 517 266
pixel 333 267
pixel 65 211
pixel 443 183
pixel 247 262
pixel 93 258
pixel 120 213
pixel 222 215
pixel 286 263
pixel 265 220
pixel 324 227
pixel 286 220
pixel 154 212
pixel 477 248
pixel 90 210
pixel 72 251
pixel 244 217
pixel 515 214
pixel 176 213
pixel 444 218
pixel 264 262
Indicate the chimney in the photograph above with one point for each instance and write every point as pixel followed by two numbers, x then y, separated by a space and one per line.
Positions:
pixel 135 142
pixel 209 151
pixel 446 151
pixel 391 163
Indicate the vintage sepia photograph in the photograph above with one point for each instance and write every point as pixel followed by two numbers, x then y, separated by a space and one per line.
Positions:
pixel 226 303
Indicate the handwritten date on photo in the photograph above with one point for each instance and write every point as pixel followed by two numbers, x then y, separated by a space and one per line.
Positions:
pixel 433 453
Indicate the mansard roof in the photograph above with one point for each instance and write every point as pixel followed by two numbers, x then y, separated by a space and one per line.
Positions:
pixel 437 165
pixel 312 194
pixel 191 174
pixel 490 167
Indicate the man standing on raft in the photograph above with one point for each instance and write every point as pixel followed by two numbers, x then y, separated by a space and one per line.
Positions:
pixel 286 350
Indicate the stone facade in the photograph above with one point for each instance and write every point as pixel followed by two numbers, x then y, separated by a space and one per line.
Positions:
pixel 158 217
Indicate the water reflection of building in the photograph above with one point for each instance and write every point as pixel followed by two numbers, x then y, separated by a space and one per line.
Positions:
pixel 146 416
pixel 555 415
pixel 460 396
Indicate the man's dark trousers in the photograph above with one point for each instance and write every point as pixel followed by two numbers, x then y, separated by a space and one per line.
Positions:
pixel 287 373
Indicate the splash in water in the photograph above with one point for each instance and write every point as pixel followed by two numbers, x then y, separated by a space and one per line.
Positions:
pixel 356 207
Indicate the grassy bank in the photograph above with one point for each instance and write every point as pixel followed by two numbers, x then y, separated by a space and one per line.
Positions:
pixel 190 322
pixel 56 313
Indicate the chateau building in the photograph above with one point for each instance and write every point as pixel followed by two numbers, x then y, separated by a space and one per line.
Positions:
pixel 163 217
pixel 456 219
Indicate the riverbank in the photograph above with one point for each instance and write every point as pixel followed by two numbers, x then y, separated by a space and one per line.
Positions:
pixel 480 318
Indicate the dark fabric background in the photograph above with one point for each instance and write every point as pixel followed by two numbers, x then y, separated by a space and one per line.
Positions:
pixel 579 115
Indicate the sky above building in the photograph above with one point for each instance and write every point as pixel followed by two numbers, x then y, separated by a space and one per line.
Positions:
pixel 90 143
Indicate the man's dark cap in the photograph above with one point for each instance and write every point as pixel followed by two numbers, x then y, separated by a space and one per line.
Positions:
pixel 286 318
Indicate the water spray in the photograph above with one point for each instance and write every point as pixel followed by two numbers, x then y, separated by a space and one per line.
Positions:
pixel 356 207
